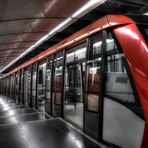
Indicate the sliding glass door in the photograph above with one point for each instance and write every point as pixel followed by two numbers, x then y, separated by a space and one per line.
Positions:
pixel 93 86
pixel 48 86
pixel 22 86
pixel 41 86
pixel 74 84
pixel 34 82
pixel 27 86
pixel 57 85
pixel 17 87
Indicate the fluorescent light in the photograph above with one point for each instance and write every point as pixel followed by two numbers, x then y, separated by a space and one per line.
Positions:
pixel 90 5
pixel 60 26
pixel 145 13
pixel 83 10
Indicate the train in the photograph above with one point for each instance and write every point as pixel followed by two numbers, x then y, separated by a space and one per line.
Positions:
pixel 95 79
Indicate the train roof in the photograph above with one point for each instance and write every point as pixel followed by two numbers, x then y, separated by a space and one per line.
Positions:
pixel 103 23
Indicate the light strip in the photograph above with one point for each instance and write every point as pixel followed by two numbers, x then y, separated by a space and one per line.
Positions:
pixel 145 13
pixel 92 4
pixel 60 26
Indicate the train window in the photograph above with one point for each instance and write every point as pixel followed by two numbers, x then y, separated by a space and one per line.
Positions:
pixel 118 84
pixel 76 54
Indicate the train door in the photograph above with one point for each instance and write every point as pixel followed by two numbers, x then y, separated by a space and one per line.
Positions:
pixel 3 87
pixel 22 86
pixel 7 87
pixel 41 86
pixel 34 87
pixel 13 87
pixel 48 86
pixel 17 87
pixel 27 87
pixel 9 84
pixel 57 85
pixel 92 113
pixel 74 84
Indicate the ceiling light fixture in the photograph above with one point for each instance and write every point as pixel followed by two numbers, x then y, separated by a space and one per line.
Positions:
pixel 87 7
pixel 145 13
pixel 92 4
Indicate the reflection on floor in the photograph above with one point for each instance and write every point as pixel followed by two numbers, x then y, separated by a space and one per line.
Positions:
pixel 23 127
pixel 8 107
pixel 41 106
pixel 75 113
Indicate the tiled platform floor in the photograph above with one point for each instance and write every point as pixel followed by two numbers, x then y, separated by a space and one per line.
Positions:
pixel 24 127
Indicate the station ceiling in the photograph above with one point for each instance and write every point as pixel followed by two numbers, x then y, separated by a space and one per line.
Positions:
pixel 23 23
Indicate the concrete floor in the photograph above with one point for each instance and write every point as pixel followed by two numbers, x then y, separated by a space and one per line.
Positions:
pixel 23 127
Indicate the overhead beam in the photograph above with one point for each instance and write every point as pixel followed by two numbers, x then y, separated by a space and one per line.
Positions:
pixel 30 18
pixel 22 33
pixel 3 43
pixel 5 49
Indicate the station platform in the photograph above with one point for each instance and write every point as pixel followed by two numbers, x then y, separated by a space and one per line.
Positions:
pixel 24 127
